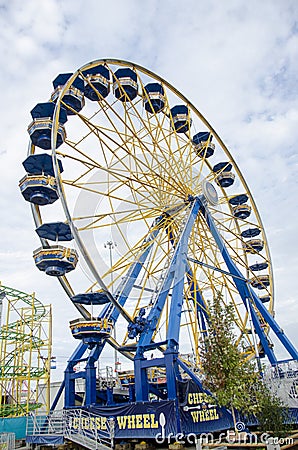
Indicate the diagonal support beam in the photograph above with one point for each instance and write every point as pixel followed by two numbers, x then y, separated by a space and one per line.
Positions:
pixel 246 292
pixel 174 277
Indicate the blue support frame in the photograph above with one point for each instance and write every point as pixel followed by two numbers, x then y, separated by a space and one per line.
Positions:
pixel 111 312
pixel 69 378
pixel 90 390
pixel 173 279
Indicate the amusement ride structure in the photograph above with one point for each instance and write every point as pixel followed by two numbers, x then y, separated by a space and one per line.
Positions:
pixel 25 353
pixel 118 153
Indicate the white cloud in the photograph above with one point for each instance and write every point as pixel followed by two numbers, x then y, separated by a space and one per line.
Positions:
pixel 236 61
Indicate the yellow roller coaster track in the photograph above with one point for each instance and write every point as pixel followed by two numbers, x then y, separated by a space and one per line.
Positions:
pixel 25 353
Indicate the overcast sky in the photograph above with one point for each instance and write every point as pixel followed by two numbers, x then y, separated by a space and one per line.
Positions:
pixel 237 61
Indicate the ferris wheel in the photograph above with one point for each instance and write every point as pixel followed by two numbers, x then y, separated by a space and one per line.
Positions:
pixel 119 154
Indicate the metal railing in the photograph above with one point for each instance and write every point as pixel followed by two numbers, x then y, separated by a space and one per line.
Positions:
pixel 7 441
pixel 77 425
pixel 52 423
pixel 90 430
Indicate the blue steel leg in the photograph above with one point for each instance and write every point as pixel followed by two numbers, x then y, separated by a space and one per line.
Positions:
pixel 91 375
pixel 141 380
pixel 174 277
pixel 170 357
pixel 240 282
pixel 69 381
pixel 176 269
pixel 275 327
pixel 178 282
pixel 69 397
pixel 132 392
pixel 246 292
pixel 90 391
pixel 263 339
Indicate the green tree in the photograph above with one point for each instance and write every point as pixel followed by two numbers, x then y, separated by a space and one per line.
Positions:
pixel 272 412
pixel 235 382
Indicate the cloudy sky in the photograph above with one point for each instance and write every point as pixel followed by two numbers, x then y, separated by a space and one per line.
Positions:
pixel 237 61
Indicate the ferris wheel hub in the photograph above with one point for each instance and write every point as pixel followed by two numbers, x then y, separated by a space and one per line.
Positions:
pixel 209 193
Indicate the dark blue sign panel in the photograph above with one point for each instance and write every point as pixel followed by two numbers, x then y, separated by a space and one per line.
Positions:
pixel 199 413
pixel 140 420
